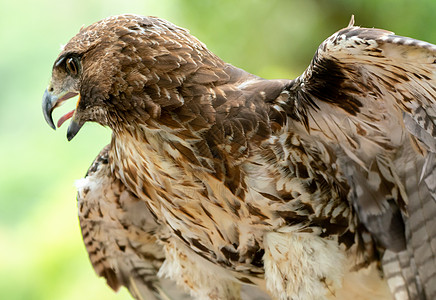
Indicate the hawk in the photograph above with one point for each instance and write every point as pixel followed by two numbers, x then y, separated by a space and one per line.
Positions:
pixel 321 187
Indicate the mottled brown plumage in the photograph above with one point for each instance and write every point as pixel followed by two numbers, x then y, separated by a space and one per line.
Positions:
pixel 302 187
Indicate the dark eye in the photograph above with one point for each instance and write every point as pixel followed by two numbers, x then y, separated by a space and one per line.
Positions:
pixel 72 66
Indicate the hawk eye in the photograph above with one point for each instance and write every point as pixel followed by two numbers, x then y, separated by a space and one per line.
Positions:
pixel 72 66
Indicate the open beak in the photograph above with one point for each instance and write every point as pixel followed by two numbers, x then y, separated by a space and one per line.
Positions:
pixel 50 102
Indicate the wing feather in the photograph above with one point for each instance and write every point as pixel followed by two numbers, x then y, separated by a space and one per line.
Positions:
pixel 371 95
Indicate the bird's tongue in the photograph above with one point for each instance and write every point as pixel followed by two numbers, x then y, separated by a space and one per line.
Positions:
pixel 65 117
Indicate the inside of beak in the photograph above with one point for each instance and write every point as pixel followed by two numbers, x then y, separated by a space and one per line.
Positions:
pixel 68 115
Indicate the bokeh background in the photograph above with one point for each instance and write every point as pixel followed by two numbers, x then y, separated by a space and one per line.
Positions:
pixel 41 252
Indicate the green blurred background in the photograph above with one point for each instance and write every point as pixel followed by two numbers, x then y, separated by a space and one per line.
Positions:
pixel 41 251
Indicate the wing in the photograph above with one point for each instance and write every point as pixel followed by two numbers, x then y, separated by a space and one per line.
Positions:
pixel 370 96
pixel 119 235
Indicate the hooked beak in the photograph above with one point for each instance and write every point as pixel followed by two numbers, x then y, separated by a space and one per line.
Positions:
pixel 50 102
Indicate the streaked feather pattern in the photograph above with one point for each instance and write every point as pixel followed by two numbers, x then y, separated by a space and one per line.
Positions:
pixel 121 237
pixel 217 178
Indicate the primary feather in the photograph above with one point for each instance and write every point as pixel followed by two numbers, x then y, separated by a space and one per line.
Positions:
pixel 313 188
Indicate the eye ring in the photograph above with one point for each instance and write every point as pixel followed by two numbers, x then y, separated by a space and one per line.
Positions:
pixel 72 66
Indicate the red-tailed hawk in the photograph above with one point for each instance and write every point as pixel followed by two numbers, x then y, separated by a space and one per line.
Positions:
pixel 322 187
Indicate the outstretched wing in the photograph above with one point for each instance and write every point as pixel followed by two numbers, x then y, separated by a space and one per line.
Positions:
pixel 371 96
pixel 119 235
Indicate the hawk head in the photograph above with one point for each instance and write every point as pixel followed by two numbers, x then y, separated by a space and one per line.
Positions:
pixel 125 69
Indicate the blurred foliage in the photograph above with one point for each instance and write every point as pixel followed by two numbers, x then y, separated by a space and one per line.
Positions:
pixel 41 251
